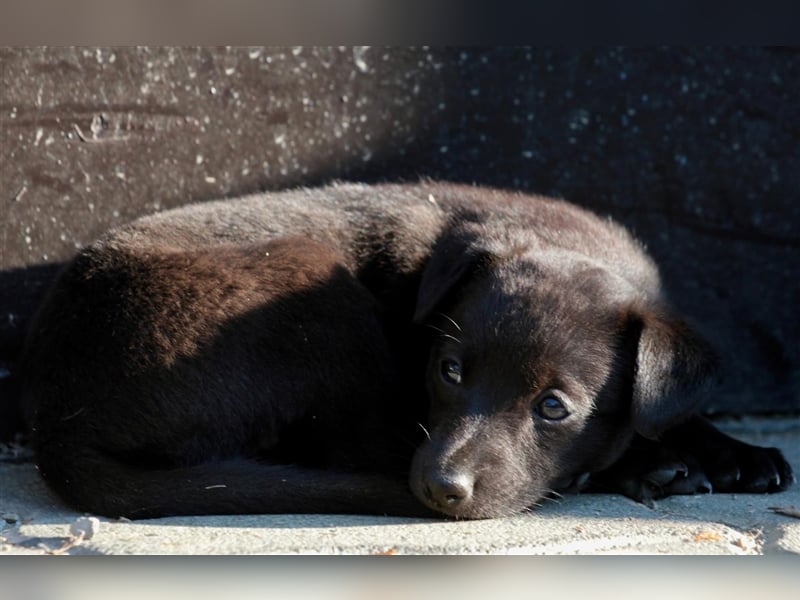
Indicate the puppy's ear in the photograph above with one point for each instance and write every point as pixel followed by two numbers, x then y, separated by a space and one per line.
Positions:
pixel 672 370
pixel 456 258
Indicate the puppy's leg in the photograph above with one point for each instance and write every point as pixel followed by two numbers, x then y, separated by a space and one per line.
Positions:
pixel 730 465
pixel 692 458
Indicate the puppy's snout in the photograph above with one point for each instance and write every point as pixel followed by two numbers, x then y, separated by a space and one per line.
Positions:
pixel 448 490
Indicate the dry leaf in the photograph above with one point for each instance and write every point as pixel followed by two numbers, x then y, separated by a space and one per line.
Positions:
pixel 708 536
pixel 788 511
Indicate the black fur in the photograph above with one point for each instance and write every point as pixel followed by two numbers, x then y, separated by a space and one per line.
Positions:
pixel 404 349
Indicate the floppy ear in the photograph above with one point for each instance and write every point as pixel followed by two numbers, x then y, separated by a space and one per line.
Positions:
pixel 673 368
pixel 456 258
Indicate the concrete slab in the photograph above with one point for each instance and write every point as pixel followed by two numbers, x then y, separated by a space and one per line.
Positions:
pixel 35 522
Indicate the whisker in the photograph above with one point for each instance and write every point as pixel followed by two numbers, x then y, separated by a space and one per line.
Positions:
pixel 442 331
pixel 425 430
pixel 531 506
pixel 451 320
pixel 443 334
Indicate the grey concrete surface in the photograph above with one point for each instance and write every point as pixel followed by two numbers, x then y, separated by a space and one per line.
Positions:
pixel 35 522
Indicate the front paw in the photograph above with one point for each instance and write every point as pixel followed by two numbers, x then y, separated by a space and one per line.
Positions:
pixel 649 471
pixel 745 468
pixel 731 465
pixel 694 458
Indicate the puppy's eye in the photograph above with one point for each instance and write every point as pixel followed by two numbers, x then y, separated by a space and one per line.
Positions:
pixel 450 370
pixel 551 407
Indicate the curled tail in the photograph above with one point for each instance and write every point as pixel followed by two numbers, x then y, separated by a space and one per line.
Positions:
pixel 91 481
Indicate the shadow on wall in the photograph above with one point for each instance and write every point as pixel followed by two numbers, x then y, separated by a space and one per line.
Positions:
pixel 697 150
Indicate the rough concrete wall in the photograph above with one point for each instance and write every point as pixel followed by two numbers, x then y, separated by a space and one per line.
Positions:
pixel 697 150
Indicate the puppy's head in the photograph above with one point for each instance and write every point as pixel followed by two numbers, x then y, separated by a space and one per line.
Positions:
pixel 542 367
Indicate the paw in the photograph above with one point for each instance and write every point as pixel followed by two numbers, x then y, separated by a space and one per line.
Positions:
pixel 649 471
pixel 730 464
pixel 744 468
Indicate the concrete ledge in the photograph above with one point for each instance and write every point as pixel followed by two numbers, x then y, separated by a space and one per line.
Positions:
pixel 586 524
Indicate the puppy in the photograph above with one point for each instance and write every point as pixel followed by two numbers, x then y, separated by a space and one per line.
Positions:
pixel 397 349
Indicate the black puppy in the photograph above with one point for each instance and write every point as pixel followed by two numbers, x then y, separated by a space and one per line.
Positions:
pixel 264 355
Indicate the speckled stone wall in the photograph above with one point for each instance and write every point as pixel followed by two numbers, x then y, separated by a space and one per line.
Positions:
pixel 696 150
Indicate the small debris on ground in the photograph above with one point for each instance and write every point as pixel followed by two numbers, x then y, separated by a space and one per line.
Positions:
pixel 85 527
pixel 708 536
pixel 10 518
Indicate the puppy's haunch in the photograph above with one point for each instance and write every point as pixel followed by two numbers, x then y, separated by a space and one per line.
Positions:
pixel 397 349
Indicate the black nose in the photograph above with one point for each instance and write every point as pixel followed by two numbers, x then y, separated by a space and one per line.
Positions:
pixel 448 490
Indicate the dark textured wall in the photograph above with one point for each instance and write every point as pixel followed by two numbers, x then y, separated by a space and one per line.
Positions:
pixel 698 151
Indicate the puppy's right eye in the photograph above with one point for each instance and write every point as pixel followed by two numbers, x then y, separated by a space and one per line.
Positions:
pixel 450 370
pixel 551 407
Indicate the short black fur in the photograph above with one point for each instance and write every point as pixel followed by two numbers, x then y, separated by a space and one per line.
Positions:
pixel 284 353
